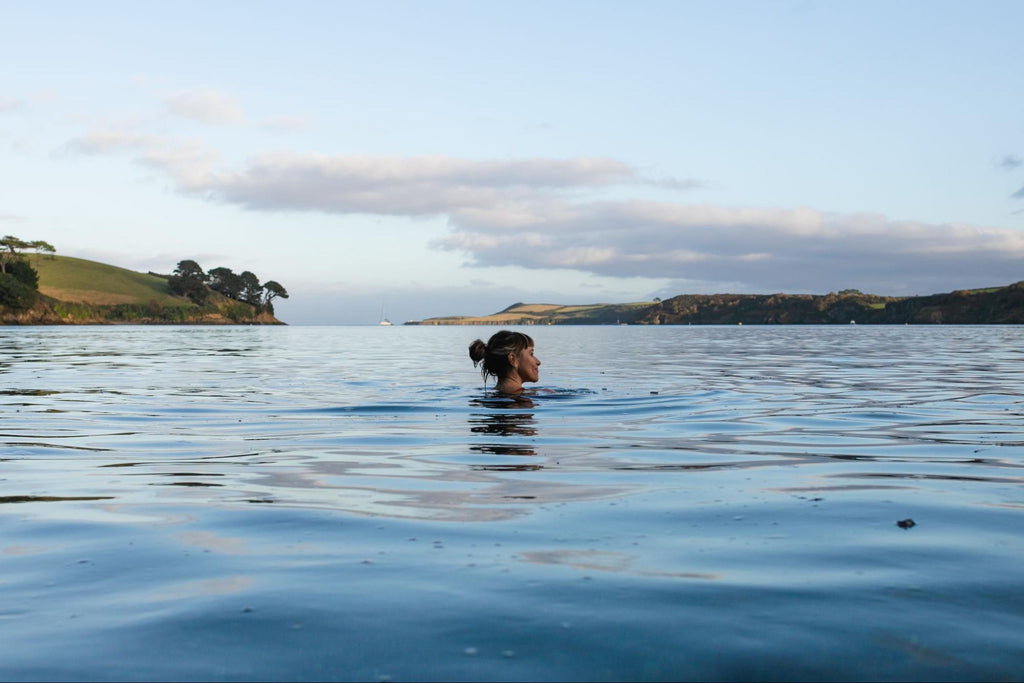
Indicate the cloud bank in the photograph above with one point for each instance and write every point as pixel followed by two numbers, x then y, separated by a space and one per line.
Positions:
pixel 207 105
pixel 766 249
pixel 8 104
pixel 415 186
pixel 548 214
pixel 1010 162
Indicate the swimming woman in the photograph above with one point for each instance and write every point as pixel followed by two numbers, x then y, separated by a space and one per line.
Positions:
pixel 508 357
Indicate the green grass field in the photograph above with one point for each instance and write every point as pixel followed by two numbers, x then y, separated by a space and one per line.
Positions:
pixel 81 281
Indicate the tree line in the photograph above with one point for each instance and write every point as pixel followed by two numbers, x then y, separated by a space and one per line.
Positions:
pixel 19 281
pixel 191 281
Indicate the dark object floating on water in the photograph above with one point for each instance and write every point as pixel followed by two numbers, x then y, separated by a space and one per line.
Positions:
pixel 48 499
pixel 906 523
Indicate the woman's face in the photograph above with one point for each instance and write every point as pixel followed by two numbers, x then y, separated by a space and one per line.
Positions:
pixel 527 365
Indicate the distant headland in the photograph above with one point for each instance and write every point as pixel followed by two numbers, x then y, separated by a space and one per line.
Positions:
pixel 46 289
pixel 989 306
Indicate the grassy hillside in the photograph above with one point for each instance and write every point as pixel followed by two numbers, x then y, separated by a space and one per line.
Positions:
pixel 78 291
pixel 76 280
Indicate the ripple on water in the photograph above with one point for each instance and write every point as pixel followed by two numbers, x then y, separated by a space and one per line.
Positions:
pixel 710 503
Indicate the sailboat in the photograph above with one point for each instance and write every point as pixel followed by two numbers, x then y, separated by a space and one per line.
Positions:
pixel 383 318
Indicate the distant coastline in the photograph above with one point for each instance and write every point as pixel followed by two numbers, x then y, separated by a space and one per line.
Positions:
pixel 989 306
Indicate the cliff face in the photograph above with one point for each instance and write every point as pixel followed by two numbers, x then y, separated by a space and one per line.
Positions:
pixel 769 309
pixel 1002 305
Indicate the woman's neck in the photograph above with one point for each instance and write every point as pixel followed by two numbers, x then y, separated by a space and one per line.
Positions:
pixel 509 385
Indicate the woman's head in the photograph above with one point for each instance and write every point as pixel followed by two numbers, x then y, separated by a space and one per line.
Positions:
pixel 507 356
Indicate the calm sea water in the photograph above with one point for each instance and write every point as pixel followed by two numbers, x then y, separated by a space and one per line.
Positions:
pixel 348 503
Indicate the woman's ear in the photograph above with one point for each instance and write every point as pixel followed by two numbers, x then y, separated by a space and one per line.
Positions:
pixel 513 360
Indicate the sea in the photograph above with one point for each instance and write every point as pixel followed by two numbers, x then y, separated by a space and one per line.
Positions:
pixel 715 503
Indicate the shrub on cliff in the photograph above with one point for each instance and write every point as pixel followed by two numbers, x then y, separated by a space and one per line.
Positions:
pixel 19 285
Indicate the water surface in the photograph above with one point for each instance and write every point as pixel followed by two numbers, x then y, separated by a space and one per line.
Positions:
pixel 311 503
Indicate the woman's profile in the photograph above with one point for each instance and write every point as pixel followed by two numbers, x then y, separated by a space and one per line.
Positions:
pixel 508 357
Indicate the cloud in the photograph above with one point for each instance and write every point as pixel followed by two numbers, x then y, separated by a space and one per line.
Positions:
pixel 1010 162
pixel 1019 194
pixel 540 214
pixel 205 104
pixel 763 249
pixel 8 104
pixel 416 186
pixel 188 162
pixel 108 141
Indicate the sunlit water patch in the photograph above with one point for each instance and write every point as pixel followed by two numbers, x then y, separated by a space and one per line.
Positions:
pixel 805 503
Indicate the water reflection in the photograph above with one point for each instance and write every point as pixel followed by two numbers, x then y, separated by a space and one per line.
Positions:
pixel 216 418
pixel 503 424
pixel 505 419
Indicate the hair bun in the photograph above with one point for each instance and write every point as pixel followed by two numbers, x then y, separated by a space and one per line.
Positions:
pixel 477 351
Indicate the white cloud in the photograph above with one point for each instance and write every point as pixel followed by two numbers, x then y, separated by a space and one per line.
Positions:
pixel 205 104
pixel 110 140
pixel 1010 162
pixel 8 104
pixel 765 249
pixel 188 162
pixel 534 213
pixel 415 186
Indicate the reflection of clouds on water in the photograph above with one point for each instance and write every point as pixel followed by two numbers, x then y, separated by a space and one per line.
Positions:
pixel 603 561
pixel 420 469
pixel 767 476
pixel 208 540
pixel 200 588
pixel 254 431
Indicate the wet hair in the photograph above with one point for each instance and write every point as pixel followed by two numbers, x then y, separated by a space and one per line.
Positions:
pixel 494 354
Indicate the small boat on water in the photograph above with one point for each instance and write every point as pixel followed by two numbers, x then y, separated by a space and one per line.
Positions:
pixel 384 318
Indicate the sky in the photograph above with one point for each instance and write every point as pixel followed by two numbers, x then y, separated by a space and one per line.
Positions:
pixel 419 159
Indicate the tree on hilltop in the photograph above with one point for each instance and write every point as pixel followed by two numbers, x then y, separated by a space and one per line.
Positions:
pixel 19 281
pixel 226 281
pixel 11 245
pixel 189 280
pixel 273 289
pixel 252 290
pixel 40 245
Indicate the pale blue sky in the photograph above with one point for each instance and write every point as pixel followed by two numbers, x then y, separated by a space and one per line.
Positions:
pixel 457 157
